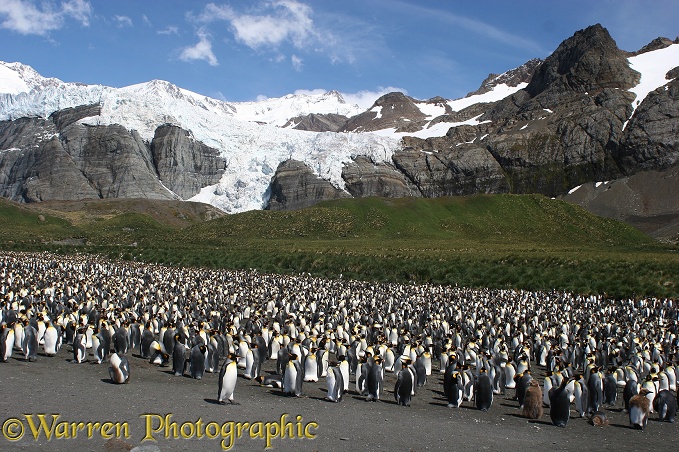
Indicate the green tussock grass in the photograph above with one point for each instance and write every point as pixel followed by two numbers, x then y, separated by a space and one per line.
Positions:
pixel 500 241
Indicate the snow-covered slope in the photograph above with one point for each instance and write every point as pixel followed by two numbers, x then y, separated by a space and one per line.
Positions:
pixel 252 150
pixel 249 135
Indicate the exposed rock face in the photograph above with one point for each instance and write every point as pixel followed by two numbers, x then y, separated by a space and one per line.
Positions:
pixel 318 122
pixel 651 139
pixel 184 164
pixel 391 110
pixel 295 186
pixel 440 170
pixel 365 178
pixel 59 159
pixel 514 77
pixel 564 129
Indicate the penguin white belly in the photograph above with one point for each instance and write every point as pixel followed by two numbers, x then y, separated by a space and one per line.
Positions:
pixel 227 382
pixel 311 368
pixel 50 339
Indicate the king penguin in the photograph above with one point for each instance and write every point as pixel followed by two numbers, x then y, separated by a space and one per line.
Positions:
pixel 335 383
pixel 6 342
pixel 29 346
pixel 404 387
pixel 178 357
pixel 119 371
pixel 375 380
pixel 79 350
pixel 197 361
pixel 51 340
pixel 293 377
pixel 228 376
pixel 665 404
pixel 483 391
pixel 560 404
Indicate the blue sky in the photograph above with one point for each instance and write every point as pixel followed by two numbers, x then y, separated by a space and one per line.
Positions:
pixel 239 50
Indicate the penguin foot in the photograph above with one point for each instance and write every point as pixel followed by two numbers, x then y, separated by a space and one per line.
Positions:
pixel 233 402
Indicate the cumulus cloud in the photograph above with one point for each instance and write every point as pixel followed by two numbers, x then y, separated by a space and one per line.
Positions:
pixel 201 51
pixel 26 17
pixel 122 21
pixel 279 22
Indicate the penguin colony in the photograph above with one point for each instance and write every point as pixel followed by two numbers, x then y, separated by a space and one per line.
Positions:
pixel 484 342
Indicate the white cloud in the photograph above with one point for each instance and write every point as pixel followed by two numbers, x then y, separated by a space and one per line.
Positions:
pixel 146 20
pixel 26 17
pixel 365 99
pixel 171 30
pixel 201 51
pixel 296 63
pixel 310 92
pixel 122 21
pixel 280 21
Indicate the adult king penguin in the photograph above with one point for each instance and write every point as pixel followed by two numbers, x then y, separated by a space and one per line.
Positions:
pixel 405 381
pixel 228 376
pixel 483 391
pixel 335 383
pixel 560 404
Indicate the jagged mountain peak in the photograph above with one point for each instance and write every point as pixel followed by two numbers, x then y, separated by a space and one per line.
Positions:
pixel 513 77
pixel 588 61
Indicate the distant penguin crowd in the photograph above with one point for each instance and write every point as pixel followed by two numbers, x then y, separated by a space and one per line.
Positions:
pixel 553 353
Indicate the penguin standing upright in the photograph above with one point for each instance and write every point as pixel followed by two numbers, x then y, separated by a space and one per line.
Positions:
pixel 311 366
pixel 120 341
pixel 546 387
pixel 293 377
pixel 631 389
pixel 178 357
pixel 197 358
pixel 522 382
pixel 228 375
pixel 256 366
pixel 560 404
pixel 335 383
pixel 581 396
pixel 639 409
pixel 51 340
pixel 147 339
pixel 119 371
pixel 665 404
pixel 405 384
pixel 97 347
pixel 483 391
pixel 452 386
pixel 79 350
pixel 6 342
pixel 610 389
pixel 596 391
pixel 344 368
pixel 375 380
pixel 420 371
pixel 532 402
pixel 29 345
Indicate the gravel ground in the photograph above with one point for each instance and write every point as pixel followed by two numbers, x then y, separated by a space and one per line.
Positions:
pixel 84 393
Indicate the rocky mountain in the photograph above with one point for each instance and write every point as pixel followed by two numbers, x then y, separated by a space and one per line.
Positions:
pixel 589 112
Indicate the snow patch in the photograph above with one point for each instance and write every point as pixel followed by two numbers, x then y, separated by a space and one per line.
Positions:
pixel 653 66
pixel 574 189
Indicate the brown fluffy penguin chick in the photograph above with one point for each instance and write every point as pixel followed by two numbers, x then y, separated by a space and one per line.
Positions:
pixel 599 419
pixel 532 403
pixel 639 407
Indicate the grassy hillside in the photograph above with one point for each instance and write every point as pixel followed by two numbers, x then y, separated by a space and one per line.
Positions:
pixel 526 242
